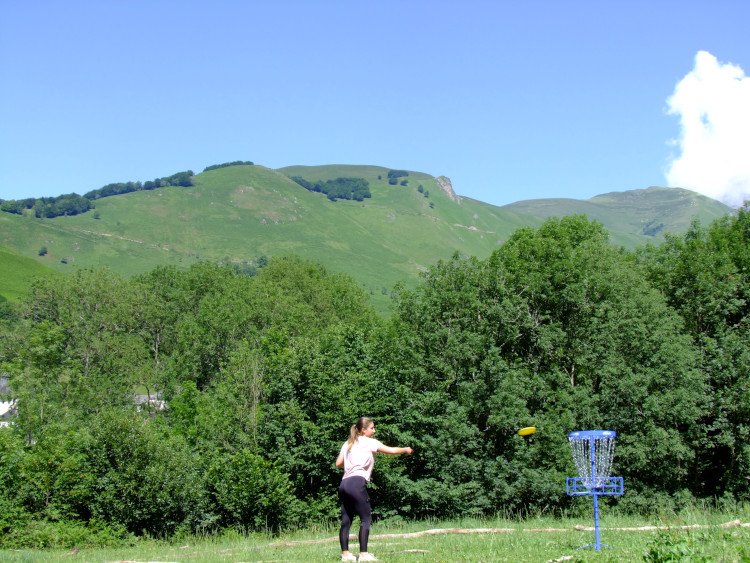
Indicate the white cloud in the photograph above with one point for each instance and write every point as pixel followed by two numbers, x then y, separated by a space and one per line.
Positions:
pixel 713 102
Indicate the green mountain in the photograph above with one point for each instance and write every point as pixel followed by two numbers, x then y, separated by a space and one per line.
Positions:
pixel 633 217
pixel 238 214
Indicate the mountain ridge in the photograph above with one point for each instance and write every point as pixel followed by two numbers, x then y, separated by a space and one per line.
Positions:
pixel 240 213
pixel 652 211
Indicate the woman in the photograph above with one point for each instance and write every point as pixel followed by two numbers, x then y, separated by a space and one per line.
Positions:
pixel 357 457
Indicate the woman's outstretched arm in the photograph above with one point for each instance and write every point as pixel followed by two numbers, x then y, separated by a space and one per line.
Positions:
pixel 394 451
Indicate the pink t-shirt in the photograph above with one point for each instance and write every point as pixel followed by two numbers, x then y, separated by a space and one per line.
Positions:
pixel 360 460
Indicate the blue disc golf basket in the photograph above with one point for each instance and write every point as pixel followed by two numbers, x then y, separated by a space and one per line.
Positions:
pixel 593 451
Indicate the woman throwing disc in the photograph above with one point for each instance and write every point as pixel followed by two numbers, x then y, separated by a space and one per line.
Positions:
pixel 357 457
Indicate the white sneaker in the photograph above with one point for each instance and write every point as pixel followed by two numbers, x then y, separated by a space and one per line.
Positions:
pixel 367 557
pixel 348 557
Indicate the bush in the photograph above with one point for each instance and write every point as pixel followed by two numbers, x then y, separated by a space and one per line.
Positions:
pixel 250 492
pixel 124 469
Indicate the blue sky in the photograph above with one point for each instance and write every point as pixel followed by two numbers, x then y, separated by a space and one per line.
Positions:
pixel 510 100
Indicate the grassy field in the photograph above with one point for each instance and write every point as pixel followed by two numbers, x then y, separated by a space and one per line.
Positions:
pixel 689 536
pixel 17 273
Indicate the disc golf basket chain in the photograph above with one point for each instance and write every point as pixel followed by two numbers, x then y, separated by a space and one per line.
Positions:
pixel 593 451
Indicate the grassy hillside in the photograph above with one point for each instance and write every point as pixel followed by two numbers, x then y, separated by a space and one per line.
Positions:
pixel 635 216
pixel 239 213
pixel 17 272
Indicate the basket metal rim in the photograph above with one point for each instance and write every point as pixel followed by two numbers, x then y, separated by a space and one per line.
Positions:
pixel 587 434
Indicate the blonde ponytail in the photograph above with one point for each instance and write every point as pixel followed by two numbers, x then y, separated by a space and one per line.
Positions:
pixel 356 430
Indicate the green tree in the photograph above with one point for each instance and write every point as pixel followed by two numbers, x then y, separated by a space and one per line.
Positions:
pixel 705 276
pixel 80 348
pixel 558 330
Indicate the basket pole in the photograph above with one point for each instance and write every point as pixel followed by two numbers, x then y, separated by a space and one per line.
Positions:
pixel 598 545
pixel 592 446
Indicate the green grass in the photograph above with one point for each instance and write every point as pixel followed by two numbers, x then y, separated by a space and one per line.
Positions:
pixel 533 539
pixel 17 273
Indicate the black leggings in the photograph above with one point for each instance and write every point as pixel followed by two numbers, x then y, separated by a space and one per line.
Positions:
pixel 354 502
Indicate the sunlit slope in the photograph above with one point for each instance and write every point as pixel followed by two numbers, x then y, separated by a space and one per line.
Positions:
pixel 636 216
pixel 17 272
pixel 82 241
pixel 237 214
pixel 243 212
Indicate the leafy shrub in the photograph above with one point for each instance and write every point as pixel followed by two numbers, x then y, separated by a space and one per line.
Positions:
pixel 250 492
pixel 124 469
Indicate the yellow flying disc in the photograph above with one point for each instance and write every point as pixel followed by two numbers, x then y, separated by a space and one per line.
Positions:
pixel 526 431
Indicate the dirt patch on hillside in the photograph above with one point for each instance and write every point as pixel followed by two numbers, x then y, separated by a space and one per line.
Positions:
pixel 113 236
pixel 473 228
